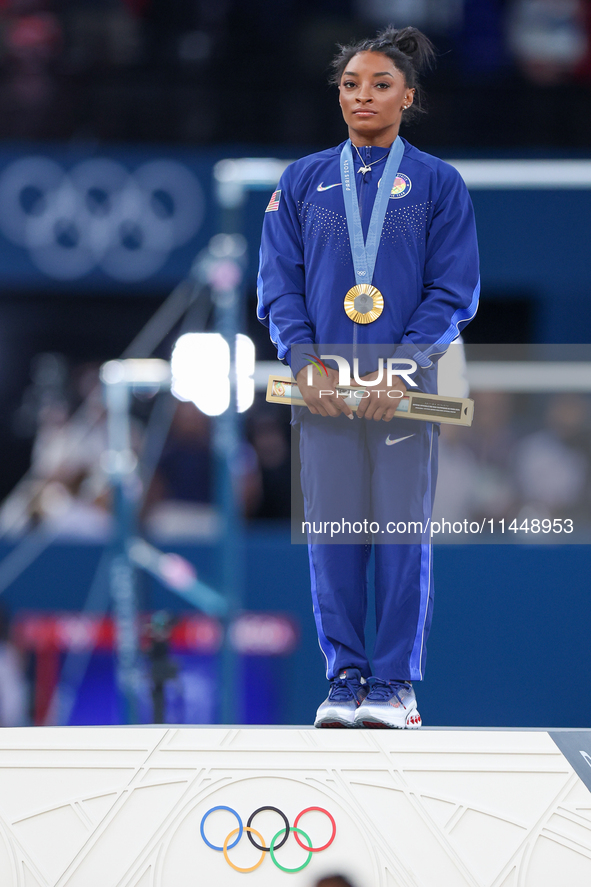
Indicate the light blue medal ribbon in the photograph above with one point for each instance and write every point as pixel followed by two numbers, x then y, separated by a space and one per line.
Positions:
pixel 364 303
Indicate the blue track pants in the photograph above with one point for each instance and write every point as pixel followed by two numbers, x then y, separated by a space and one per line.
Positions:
pixel 385 473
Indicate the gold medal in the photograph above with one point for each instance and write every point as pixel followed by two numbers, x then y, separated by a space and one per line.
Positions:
pixel 364 303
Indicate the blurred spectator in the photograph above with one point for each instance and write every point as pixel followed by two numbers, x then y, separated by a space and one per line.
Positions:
pixel 495 470
pixel 553 466
pixel 13 687
pixel 46 393
pixel 67 487
pixel 185 470
pixel 480 45
pixel 548 38
pixel 491 441
pixel 583 69
pixel 431 16
pixel 68 457
pixel 456 496
pixel 458 468
pixel 271 444
pixel 32 39
pixel 174 64
pixel 181 499
pixel 101 33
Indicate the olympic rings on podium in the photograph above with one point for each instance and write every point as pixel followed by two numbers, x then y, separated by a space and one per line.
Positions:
pixel 275 843
pixel 240 827
pixel 285 820
pixel 237 868
pixel 309 848
pixel 330 840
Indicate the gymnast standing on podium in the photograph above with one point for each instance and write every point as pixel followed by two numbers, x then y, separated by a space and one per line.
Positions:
pixel 370 245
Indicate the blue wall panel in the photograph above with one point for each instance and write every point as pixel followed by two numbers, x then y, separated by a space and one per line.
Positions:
pixel 510 641
pixel 134 218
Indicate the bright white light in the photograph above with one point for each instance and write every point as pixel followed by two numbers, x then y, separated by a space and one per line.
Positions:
pixel 245 365
pixel 200 367
pixel 138 372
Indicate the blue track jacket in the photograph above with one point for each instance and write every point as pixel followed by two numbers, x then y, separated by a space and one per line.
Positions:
pixel 426 267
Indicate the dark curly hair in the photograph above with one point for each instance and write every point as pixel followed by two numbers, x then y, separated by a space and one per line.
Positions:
pixel 409 50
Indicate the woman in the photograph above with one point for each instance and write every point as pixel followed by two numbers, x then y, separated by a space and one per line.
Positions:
pixel 373 210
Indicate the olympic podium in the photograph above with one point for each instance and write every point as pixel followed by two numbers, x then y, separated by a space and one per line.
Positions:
pixel 181 807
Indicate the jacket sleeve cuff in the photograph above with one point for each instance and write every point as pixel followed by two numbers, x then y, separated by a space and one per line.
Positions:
pixel 409 351
pixel 296 359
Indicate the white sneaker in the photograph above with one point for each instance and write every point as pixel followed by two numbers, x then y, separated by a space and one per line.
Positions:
pixel 346 694
pixel 389 704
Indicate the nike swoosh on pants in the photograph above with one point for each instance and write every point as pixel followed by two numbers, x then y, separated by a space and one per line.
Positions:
pixel 390 443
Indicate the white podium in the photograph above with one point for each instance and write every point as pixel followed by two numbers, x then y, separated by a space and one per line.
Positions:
pixel 134 807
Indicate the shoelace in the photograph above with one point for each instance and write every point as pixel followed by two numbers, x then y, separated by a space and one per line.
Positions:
pixel 382 690
pixel 343 689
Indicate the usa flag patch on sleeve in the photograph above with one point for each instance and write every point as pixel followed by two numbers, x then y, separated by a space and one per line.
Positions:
pixel 274 202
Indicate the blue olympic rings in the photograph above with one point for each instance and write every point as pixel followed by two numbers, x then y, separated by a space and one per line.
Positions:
pixel 240 827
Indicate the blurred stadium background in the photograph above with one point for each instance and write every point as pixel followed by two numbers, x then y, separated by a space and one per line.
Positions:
pixel 122 230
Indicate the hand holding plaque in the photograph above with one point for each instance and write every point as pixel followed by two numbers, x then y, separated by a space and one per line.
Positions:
pixel 327 404
pixel 379 404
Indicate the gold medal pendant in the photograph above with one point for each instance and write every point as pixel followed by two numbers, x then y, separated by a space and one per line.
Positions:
pixel 364 303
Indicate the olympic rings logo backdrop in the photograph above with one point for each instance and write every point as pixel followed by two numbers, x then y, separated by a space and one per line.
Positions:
pixel 99 215
pixel 274 843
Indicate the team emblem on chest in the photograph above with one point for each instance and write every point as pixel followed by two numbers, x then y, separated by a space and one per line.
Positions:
pixel 401 187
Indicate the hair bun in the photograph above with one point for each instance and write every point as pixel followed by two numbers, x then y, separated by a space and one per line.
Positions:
pixel 388 35
pixel 406 41
pixel 410 42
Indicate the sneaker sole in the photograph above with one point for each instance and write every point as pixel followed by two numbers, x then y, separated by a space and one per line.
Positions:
pixel 413 722
pixel 343 725
pixel 330 719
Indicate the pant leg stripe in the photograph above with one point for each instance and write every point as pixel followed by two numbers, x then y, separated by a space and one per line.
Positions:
pixel 330 654
pixel 416 656
pixel 328 651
